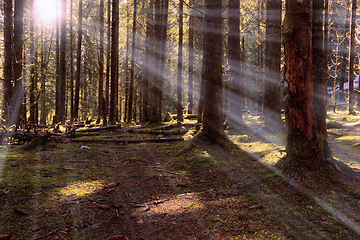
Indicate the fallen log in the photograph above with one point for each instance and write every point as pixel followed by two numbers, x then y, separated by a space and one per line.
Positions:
pixel 98 129
pixel 164 132
pixel 128 140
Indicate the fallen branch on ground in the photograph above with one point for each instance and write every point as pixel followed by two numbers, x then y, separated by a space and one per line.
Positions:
pixel 128 140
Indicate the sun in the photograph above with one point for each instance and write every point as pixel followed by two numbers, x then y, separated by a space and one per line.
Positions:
pixel 46 10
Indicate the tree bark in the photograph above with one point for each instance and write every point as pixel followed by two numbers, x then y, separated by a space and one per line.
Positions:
pixel 62 90
pixel 352 58
pixel 236 98
pixel 272 96
pixel 8 58
pixel 78 64
pixel 33 83
pixel 114 61
pixel 319 66
pixel 345 53
pixel 108 58
pixel 17 94
pixel 101 100
pixel 212 75
pixel 180 117
pixel 191 59
pixel 132 73
pixel 304 146
pixel 149 58
pixel 71 63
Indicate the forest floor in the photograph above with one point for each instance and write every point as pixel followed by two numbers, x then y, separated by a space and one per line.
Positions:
pixel 179 190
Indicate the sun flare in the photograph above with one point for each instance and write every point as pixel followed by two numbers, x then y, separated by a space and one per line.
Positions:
pixel 46 10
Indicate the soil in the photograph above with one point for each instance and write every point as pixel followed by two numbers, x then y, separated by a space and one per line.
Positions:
pixel 174 190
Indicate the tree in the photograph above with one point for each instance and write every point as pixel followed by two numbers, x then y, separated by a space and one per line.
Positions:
pixel 235 118
pixel 62 89
pixel 132 74
pixel 272 95
pixel 212 74
pixel 319 66
pixel 71 63
pixel 191 59
pixel 8 79
pixel 352 57
pixel 345 52
pixel 114 61
pixel 78 63
pixel 108 56
pixel 33 83
pixel 18 91
pixel 304 145
pixel 148 76
pixel 101 100
pixel 179 111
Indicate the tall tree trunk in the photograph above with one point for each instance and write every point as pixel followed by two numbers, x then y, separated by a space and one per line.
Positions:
pixel 78 63
pixel 17 95
pixel 101 100
pixel 132 73
pixel 8 77
pixel 62 90
pixel 236 98
pixel 191 60
pixel 164 28
pixel 304 146
pixel 127 75
pixel 180 117
pixel 272 96
pixel 33 83
pixel 212 75
pixel 108 57
pixel 149 58
pixel 345 52
pixel 57 65
pixel 319 66
pixel 114 60
pixel 71 63
pixel 352 58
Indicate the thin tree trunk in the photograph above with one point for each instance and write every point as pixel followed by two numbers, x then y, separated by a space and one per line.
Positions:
pixel 57 64
pixel 352 58
pixel 17 95
pixel 114 61
pixel 235 118
pixel 127 75
pixel 71 64
pixel 319 66
pixel 272 97
pixel 33 82
pixel 345 53
pixel 132 73
pixel 148 76
pixel 62 90
pixel 101 99
pixel 191 60
pixel 108 57
pixel 180 117
pixel 8 73
pixel 78 64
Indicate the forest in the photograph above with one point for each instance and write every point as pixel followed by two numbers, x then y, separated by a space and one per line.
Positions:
pixel 179 119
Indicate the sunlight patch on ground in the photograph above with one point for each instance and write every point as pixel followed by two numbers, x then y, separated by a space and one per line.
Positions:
pixel 177 205
pixel 80 189
pixel 269 153
pixel 350 139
